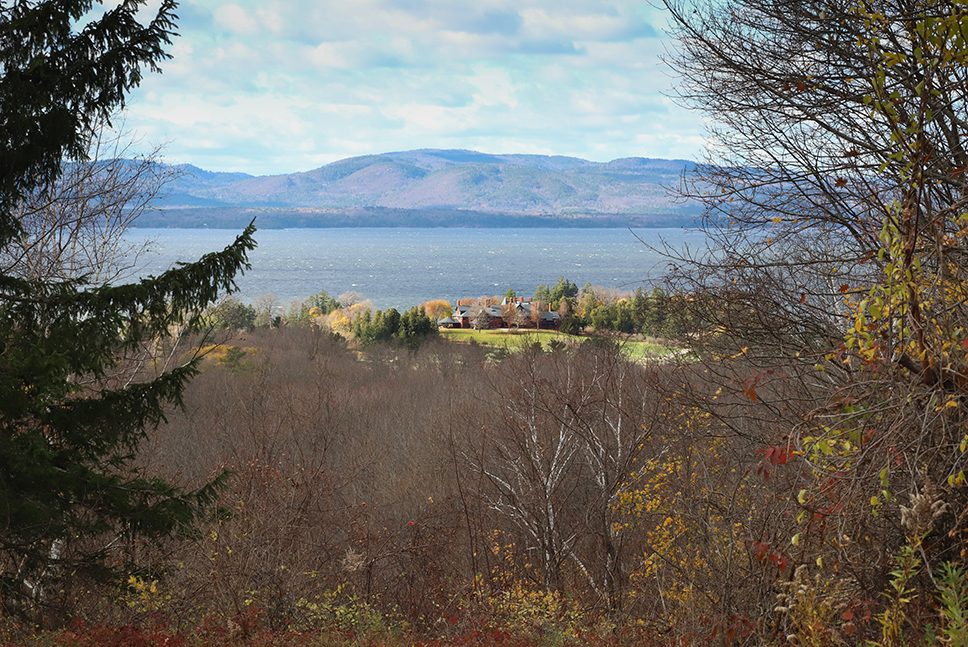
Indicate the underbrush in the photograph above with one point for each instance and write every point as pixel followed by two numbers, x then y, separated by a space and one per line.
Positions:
pixel 396 501
pixel 636 347
pixel 249 627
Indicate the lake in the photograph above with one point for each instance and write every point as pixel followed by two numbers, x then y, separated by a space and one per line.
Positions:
pixel 401 268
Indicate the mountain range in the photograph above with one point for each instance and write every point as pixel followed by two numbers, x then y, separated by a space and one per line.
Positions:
pixel 435 188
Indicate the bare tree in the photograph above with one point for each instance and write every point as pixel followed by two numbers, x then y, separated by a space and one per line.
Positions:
pixel 526 456
pixel 266 306
pixel 349 299
pixel 76 228
pixel 834 193
pixel 481 319
pixel 509 313
pixel 802 171
pixel 538 308
pixel 570 432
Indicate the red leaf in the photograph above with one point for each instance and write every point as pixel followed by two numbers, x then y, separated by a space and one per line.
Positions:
pixel 749 385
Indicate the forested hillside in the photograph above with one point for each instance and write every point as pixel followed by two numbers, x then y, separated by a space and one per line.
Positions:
pixel 435 188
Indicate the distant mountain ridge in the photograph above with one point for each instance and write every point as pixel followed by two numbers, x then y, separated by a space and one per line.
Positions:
pixel 548 189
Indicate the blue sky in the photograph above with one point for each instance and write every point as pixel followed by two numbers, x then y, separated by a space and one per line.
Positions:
pixel 277 86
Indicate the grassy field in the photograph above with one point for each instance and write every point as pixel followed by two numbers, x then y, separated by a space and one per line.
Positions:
pixel 637 349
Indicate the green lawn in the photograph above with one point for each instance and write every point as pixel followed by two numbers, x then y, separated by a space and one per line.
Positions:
pixel 517 339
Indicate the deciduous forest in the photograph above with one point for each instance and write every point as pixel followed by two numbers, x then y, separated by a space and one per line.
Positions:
pixel 174 470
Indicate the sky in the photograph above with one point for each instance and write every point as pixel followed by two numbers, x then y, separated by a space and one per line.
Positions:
pixel 279 86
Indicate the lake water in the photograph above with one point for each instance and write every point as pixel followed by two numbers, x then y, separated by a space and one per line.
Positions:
pixel 401 268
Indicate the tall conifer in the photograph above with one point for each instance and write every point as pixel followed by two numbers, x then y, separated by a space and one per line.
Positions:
pixel 69 493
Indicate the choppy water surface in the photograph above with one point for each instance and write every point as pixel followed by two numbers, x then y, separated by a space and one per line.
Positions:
pixel 404 267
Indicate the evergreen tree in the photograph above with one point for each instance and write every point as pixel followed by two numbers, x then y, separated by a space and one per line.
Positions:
pixel 640 308
pixel 69 429
pixel 408 329
pixel 323 302
pixel 542 292
pixel 232 314
pixel 363 327
pixel 562 290
pixel 553 295
pixel 571 325
pixel 624 317
pixel 656 313
pixel 601 318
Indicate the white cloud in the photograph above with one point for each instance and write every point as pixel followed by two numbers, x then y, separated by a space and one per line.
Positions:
pixel 236 19
pixel 494 88
pixel 271 86
pixel 550 23
pixel 330 55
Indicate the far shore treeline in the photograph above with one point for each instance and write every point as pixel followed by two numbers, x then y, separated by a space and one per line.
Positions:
pixel 291 218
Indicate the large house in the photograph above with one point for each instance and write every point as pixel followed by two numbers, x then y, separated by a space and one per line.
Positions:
pixel 465 314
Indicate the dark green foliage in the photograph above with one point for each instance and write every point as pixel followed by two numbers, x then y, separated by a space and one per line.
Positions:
pixel 655 315
pixel 73 404
pixel 232 314
pixel 69 426
pixel 387 326
pixel 298 314
pixel 601 318
pixel 233 359
pixel 381 327
pixel 553 296
pixel 324 302
pixel 302 314
pixel 563 289
pixel 415 326
pixel 409 329
pixel 571 325
pixel 624 317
